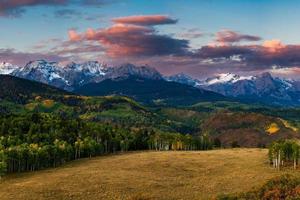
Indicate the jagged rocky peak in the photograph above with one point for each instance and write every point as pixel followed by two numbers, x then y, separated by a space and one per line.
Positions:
pixel 51 73
pixel 266 74
pixel 128 69
pixel 180 76
pixel 183 78
pixel 40 63
pixel 42 66
pixel 92 67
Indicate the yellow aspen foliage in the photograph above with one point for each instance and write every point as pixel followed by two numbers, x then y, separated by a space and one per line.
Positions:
pixel 48 103
pixel 272 128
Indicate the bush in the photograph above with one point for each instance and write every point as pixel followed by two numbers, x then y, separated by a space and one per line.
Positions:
pixel 284 187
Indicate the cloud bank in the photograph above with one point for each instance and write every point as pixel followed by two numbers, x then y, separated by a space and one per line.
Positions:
pixel 135 36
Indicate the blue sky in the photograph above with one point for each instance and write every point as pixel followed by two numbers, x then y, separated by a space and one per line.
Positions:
pixel 25 26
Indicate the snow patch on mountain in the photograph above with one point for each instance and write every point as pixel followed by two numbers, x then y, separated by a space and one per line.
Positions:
pixel 183 79
pixel 7 68
pixel 226 78
pixel 41 70
pixel 90 67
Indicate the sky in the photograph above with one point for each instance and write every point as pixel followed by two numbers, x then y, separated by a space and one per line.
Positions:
pixel 197 37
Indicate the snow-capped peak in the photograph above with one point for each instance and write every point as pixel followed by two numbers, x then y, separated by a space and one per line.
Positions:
pixel 7 68
pixel 46 67
pixel 286 82
pixel 46 71
pixel 90 67
pixel 183 78
pixel 227 78
pixel 94 67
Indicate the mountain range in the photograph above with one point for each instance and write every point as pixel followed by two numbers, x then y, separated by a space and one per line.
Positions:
pixel 261 88
pixel 94 78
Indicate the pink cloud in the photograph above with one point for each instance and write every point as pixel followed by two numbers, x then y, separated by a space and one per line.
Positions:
pixel 132 40
pixel 145 20
pixel 73 36
pixel 273 45
pixel 228 36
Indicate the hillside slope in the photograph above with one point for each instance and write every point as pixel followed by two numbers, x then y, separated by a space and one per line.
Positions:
pixel 248 129
pixel 158 92
pixel 20 90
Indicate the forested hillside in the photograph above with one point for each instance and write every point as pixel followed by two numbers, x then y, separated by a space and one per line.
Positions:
pixel 151 92
pixel 20 90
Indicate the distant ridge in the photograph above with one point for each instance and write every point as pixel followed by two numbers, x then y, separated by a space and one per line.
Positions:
pixel 151 91
pixel 20 90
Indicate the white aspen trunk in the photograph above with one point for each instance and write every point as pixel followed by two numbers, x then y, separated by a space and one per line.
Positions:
pixel 295 163
pixel 279 161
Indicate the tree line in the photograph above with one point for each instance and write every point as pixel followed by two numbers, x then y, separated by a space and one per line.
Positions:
pixel 284 153
pixel 35 141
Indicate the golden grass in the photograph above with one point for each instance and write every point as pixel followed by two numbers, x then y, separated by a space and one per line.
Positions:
pixel 146 175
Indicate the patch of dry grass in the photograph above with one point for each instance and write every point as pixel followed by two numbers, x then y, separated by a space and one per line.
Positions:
pixel 146 175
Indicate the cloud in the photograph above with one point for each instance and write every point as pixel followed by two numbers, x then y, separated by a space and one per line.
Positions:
pixel 67 48
pixel 146 20
pixel 228 36
pixel 73 35
pixel 274 45
pixel 16 7
pixel 292 72
pixel 126 39
pixel 18 58
pixel 269 54
pixel 97 2
pixel 67 13
pixel 192 33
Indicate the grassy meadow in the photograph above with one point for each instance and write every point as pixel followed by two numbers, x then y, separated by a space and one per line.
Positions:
pixel 146 175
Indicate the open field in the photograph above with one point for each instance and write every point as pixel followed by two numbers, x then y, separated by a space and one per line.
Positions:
pixel 146 175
